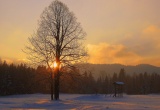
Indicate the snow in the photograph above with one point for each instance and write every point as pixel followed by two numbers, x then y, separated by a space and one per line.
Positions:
pixel 80 102
pixel 120 83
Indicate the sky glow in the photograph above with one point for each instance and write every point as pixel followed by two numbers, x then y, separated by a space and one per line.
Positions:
pixel 118 31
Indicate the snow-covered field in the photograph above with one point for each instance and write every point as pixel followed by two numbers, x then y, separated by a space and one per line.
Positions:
pixel 80 102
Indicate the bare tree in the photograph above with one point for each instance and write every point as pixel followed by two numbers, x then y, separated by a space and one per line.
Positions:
pixel 59 38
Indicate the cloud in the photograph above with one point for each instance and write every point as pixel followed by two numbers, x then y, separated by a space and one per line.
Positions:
pixel 110 53
pixel 142 47
pixel 145 44
pixel 151 30
pixel 152 35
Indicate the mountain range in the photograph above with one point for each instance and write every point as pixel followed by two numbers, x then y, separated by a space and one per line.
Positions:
pixel 110 69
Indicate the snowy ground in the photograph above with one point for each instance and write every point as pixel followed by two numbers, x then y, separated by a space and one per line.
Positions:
pixel 80 102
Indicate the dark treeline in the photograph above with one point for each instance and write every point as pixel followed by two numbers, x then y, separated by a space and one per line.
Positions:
pixel 20 79
pixel 141 83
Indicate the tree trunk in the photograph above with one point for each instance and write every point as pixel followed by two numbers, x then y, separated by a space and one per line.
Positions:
pixel 56 85
pixel 56 88
pixel 52 89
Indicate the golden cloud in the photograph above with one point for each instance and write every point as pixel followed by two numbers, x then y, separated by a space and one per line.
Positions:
pixel 152 35
pixel 145 44
pixel 151 30
pixel 109 53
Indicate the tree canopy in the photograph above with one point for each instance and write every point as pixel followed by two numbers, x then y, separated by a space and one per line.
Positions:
pixel 59 37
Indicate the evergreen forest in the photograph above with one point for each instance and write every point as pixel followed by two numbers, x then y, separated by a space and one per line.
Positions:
pixel 21 79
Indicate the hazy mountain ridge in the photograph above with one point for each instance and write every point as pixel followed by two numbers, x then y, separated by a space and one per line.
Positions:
pixel 103 69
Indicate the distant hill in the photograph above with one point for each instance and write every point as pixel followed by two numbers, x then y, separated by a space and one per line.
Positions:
pixel 103 69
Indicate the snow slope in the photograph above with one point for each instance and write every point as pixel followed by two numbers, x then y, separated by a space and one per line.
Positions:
pixel 80 102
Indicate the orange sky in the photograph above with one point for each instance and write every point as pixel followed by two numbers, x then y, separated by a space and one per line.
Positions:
pixel 118 31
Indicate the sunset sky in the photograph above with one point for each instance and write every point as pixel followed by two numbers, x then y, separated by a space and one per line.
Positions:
pixel 118 31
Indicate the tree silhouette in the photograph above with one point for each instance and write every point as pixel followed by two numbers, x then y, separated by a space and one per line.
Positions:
pixel 58 39
pixel 122 75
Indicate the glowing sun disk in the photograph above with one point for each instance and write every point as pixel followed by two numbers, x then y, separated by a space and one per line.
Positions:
pixel 54 64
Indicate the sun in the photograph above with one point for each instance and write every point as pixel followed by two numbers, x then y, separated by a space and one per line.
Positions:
pixel 55 64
